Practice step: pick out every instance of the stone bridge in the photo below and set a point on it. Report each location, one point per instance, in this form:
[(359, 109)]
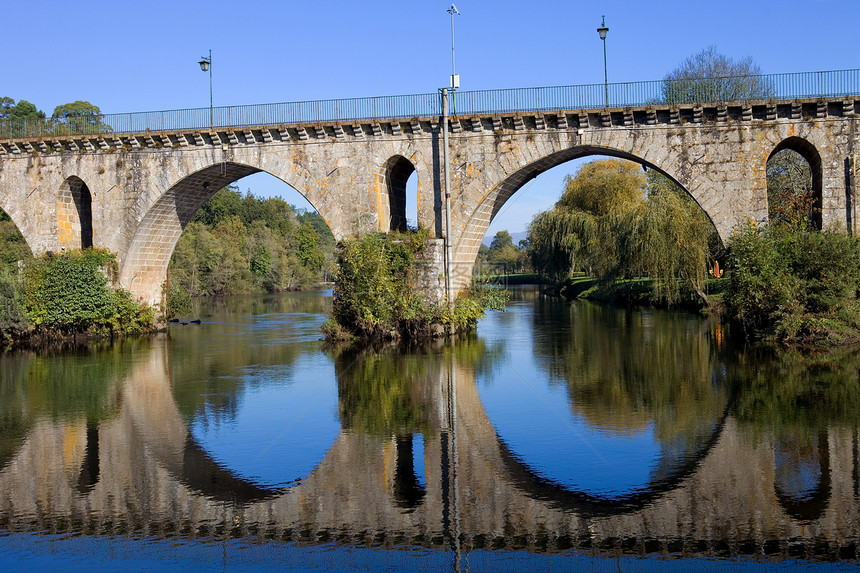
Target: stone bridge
[(133, 190), (141, 471)]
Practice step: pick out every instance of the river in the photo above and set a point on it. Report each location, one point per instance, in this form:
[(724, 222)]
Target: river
[(561, 436)]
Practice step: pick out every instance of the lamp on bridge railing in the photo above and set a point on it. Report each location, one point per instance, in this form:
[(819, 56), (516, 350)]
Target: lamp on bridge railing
[(602, 31), (206, 66)]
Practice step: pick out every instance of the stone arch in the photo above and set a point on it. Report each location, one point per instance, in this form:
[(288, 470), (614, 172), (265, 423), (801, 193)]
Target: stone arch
[(467, 244), (808, 151), (143, 269), (74, 215), (392, 203)]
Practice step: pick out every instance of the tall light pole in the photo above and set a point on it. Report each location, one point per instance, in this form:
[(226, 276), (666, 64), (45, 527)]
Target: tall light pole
[(206, 66), (602, 31), (455, 79)]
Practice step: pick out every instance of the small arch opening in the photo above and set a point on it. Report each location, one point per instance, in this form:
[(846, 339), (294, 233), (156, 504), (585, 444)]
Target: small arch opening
[(794, 189), (400, 176), (75, 214)]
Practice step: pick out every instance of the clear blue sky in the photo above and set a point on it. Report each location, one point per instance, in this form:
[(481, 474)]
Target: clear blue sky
[(137, 56)]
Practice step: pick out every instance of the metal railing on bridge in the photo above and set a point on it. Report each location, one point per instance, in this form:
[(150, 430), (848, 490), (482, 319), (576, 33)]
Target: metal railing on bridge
[(734, 89)]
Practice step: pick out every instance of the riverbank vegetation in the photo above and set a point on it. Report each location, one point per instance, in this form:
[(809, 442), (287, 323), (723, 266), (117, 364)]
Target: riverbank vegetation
[(377, 295), (241, 244), (68, 295)]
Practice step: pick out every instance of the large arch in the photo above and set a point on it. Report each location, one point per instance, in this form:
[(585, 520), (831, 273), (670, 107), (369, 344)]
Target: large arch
[(808, 151), (74, 215), (468, 243), (143, 269)]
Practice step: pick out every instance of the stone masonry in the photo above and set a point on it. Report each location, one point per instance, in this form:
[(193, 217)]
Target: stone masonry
[(134, 194)]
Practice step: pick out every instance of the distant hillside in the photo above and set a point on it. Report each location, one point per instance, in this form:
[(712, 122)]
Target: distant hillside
[(517, 237)]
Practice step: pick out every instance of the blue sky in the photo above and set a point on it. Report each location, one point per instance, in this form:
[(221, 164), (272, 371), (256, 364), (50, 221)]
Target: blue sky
[(138, 56)]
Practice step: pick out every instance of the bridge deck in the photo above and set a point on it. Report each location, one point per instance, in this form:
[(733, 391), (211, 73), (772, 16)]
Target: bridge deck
[(595, 118)]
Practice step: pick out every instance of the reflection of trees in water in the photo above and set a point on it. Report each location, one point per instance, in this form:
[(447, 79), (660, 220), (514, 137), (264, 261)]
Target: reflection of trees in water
[(794, 399), (66, 386), (397, 390), (388, 392), (210, 374), (301, 302), (802, 391), (628, 369)]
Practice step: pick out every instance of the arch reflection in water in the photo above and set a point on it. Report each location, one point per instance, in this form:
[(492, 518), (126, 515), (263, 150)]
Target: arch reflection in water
[(155, 478), (646, 400), (261, 400)]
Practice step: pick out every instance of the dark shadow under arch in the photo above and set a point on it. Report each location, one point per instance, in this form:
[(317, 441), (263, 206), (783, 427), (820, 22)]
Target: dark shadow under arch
[(808, 151), (396, 173)]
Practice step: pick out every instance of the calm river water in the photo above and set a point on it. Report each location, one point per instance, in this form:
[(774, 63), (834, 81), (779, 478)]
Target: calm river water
[(563, 436)]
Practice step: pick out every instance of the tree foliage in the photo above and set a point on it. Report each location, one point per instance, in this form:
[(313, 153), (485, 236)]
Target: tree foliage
[(15, 117), (502, 256), (70, 293), (614, 222), (375, 295), (239, 244), (795, 286), (78, 117), (710, 76), (23, 110)]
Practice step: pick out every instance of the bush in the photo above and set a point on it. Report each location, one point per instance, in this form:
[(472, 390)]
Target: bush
[(70, 293), (795, 286), (375, 297), (178, 301), (13, 319)]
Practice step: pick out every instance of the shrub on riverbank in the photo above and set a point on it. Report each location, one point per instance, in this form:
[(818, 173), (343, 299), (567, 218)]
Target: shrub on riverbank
[(69, 294), (795, 287), (375, 296)]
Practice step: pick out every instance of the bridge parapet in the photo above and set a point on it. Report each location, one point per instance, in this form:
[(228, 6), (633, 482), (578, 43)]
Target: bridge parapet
[(596, 118)]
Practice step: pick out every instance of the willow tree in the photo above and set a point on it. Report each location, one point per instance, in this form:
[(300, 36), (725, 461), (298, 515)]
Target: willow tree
[(613, 222), (574, 234)]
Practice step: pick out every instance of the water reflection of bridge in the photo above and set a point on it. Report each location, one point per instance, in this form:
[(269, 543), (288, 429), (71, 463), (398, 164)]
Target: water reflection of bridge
[(142, 471)]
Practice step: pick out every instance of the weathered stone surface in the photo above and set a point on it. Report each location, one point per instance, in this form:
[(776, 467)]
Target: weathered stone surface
[(145, 188)]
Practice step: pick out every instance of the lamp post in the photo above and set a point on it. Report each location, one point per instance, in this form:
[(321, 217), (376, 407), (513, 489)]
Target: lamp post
[(455, 79), (602, 31), (206, 66)]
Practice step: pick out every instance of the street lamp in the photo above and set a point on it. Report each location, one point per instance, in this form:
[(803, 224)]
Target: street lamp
[(206, 66), (455, 79), (602, 31)]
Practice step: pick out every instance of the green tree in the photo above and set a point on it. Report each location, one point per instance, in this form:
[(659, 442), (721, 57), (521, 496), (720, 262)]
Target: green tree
[(22, 111), (795, 287), (307, 247), (78, 117), (19, 119), (710, 76), (502, 251), (578, 232)]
